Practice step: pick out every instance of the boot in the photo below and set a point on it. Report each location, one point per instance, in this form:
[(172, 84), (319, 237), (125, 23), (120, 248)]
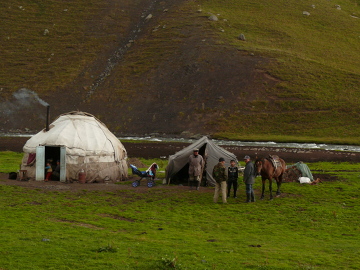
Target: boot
[(252, 196), (198, 186), (248, 195)]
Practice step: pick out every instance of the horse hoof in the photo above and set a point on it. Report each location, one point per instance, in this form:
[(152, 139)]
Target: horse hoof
[(271, 199), (261, 198)]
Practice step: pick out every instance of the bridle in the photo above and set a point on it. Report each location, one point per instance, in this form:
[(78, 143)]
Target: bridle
[(258, 162)]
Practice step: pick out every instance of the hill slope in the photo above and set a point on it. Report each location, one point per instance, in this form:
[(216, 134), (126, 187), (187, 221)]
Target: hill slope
[(163, 67)]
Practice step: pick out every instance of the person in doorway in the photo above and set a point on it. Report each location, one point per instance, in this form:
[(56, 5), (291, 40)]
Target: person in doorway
[(233, 175), (196, 166), (56, 172), (48, 171), (219, 174), (249, 179)]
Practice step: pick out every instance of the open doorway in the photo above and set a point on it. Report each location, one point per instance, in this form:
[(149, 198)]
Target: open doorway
[(52, 156), (55, 156)]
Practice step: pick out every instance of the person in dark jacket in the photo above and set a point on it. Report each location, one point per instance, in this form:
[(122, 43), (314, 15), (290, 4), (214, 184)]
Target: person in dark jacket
[(219, 174), (233, 175), (56, 172), (249, 179)]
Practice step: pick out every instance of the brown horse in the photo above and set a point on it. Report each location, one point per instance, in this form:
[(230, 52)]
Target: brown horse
[(267, 170)]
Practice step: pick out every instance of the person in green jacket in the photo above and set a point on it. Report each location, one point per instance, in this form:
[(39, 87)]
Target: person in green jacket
[(249, 179), (220, 176)]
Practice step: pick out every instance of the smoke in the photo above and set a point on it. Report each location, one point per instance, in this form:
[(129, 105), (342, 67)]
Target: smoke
[(25, 97), (23, 110)]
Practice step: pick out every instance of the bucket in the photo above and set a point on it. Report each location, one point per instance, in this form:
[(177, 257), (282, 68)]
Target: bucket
[(82, 177)]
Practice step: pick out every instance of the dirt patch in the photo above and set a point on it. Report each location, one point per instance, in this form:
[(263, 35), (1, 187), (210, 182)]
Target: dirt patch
[(136, 162), (118, 217), (57, 186), (326, 177)]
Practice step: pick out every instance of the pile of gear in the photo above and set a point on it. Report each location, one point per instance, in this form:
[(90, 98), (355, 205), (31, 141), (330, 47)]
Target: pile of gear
[(299, 172)]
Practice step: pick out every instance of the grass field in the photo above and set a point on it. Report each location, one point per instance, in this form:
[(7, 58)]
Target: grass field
[(10, 161), (309, 227)]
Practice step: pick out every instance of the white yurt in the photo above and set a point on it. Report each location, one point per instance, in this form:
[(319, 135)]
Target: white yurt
[(81, 145)]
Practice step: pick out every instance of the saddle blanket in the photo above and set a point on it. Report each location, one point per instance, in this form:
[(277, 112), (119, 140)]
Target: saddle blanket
[(275, 160)]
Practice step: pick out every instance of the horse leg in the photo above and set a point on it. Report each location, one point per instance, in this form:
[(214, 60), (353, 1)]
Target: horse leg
[(278, 182), (263, 189), (270, 189)]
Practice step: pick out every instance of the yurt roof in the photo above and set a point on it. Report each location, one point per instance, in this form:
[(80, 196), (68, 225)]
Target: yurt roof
[(81, 133)]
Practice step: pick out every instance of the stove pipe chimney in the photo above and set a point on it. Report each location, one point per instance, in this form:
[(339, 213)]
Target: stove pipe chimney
[(47, 117)]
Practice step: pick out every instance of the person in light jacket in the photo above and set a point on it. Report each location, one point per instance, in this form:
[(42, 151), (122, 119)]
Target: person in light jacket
[(196, 166)]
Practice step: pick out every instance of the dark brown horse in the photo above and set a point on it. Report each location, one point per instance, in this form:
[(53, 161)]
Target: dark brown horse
[(266, 168)]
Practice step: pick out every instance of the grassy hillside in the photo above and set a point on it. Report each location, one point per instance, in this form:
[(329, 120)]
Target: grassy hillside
[(44, 44), (317, 60), (296, 77)]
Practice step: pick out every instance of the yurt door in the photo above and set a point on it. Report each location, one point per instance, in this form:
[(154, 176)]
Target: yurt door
[(62, 164), (40, 163)]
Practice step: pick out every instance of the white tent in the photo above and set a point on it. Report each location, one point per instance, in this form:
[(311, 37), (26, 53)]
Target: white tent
[(178, 163), (82, 144)]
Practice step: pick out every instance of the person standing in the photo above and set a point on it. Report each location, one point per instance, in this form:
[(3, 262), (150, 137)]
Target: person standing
[(249, 179), (233, 175), (48, 171), (56, 172), (219, 174), (196, 166)]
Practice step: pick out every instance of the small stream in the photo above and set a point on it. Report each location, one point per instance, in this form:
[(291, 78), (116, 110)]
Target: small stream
[(333, 147), (320, 146)]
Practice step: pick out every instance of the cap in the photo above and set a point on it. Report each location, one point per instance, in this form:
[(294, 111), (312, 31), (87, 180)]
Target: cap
[(246, 157), (196, 150), (221, 159)]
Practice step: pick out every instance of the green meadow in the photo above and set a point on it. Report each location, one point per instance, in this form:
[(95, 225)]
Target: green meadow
[(171, 227)]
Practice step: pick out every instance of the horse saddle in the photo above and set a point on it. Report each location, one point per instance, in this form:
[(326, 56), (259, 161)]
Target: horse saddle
[(275, 160)]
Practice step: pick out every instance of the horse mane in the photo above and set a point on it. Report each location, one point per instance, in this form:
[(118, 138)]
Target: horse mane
[(261, 159)]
